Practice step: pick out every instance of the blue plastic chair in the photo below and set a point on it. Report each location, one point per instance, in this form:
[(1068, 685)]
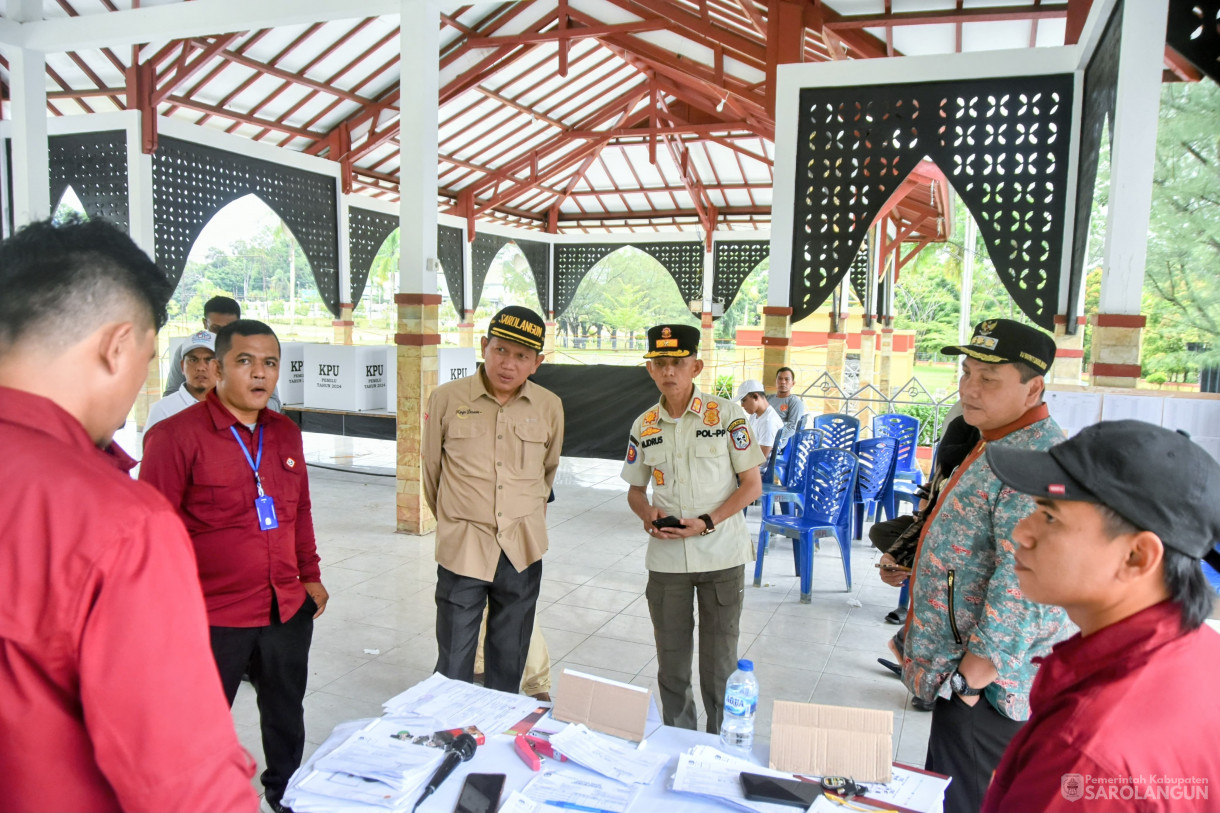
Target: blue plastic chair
[(874, 480), (839, 431), (788, 483), (830, 481), (906, 429)]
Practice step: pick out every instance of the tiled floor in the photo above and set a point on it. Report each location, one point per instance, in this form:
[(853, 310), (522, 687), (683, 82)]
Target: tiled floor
[(376, 637)]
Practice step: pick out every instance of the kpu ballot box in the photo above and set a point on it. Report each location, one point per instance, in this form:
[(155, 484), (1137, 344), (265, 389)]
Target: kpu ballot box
[(346, 378), (292, 373)]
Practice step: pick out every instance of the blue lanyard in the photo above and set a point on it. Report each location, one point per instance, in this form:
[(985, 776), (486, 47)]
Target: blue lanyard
[(254, 462)]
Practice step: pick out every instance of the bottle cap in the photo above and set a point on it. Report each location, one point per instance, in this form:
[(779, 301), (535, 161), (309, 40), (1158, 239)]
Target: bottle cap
[(745, 665)]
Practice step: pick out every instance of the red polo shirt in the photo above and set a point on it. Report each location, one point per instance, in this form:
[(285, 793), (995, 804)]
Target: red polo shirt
[(194, 460), (1125, 719), (109, 697)]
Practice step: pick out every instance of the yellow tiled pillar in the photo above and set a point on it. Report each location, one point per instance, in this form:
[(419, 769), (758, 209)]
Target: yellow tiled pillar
[(1115, 358), (707, 352), (885, 368), (777, 340), (836, 359), (548, 344), (1068, 368), (151, 393), (417, 339), (466, 334), (868, 356), (344, 324)]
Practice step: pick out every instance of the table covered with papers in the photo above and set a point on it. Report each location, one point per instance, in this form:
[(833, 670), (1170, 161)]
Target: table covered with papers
[(381, 765)]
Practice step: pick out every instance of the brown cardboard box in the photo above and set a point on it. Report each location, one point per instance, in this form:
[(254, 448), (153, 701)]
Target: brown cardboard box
[(604, 705), (807, 738)]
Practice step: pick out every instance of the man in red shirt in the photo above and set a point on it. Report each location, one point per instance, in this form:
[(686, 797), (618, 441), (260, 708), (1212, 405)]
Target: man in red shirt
[(1124, 715), (236, 472), (108, 696)]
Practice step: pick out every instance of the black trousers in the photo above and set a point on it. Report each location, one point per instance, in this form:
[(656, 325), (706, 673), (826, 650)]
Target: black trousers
[(966, 743), (510, 599), (277, 659)]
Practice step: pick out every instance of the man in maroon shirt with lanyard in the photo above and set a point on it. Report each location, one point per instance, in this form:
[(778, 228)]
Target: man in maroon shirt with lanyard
[(236, 472), (108, 694), (1124, 713)]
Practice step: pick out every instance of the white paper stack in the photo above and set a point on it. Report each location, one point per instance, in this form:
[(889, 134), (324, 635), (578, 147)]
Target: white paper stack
[(704, 771), (439, 703)]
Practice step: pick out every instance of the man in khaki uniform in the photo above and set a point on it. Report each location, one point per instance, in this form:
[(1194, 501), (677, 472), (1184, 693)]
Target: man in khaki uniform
[(490, 451), (697, 452)]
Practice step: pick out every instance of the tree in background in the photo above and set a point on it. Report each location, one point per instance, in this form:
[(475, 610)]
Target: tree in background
[(627, 291), (746, 308)]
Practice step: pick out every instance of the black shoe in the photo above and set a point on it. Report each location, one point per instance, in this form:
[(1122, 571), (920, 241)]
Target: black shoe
[(893, 667), (897, 616), (922, 705), (276, 806)]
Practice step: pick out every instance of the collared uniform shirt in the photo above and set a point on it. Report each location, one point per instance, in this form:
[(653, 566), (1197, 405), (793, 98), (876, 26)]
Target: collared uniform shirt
[(488, 470), (1133, 701), (965, 594), (193, 459), (109, 696), (171, 404), (692, 462), (790, 410)]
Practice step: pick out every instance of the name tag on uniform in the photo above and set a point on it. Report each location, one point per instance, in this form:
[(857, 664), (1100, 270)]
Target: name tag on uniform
[(265, 508)]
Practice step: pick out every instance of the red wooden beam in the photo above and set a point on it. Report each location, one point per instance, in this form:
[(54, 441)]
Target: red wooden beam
[(702, 31), (785, 41), (566, 34), (1180, 66), (187, 68), (971, 15), (1077, 15)]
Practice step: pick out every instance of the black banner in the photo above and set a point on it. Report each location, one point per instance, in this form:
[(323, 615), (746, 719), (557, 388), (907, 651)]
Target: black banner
[(599, 403)]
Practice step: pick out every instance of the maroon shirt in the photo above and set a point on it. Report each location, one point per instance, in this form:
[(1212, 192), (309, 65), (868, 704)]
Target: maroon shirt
[(1134, 700), (194, 460), (109, 696)]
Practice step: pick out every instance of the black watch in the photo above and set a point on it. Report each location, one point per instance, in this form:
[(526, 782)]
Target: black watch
[(959, 685), (707, 520)]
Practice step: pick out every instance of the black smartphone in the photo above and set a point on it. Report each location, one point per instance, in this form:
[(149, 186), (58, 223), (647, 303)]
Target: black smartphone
[(794, 792), (668, 522), (480, 793)]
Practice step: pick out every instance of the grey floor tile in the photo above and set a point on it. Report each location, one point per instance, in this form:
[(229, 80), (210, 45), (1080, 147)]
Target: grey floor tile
[(805, 630), (572, 618), (628, 628), (785, 652), (597, 598), (836, 690), (611, 653), (869, 637), (560, 642)]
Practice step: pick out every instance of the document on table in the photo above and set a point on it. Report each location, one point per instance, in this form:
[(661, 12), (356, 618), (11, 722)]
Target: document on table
[(442, 703), (516, 803), (382, 750), (571, 791), (608, 756), (911, 789), (707, 772)]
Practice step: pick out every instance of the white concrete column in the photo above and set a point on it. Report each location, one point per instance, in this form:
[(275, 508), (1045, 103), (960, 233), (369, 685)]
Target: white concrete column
[(965, 326), (1131, 159), (28, 103), (345, 245), (140, 220), (420, 91)]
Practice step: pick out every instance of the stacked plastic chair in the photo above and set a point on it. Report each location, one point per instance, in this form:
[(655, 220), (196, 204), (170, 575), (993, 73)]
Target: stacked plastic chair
[(874, 480), (830, 480), (906, 429), (839, 431)]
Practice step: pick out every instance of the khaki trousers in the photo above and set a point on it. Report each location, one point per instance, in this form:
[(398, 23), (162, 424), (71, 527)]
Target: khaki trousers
[(536, 678)]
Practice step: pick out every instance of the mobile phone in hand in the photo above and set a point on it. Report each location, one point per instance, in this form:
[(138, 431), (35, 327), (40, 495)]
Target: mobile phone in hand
[(668, 522), (895, 568)]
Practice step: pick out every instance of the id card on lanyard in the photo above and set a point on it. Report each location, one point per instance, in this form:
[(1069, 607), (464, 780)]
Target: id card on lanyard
[(264, 506)]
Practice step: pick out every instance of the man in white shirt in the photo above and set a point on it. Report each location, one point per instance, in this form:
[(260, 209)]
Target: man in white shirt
[(200, 374), (764, 422)]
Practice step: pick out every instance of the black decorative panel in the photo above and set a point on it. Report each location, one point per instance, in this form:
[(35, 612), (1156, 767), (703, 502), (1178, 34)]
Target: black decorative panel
[(366, 232), (482, 252), (1194, 32), (857, 274), (95, 166), (683, 261), (1100, 97), (449, 252), (191, 183), (732, 262), (1003, 144), (538, 255), (572, 262)]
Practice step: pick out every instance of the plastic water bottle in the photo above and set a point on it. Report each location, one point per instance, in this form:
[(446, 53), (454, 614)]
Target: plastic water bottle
[(740, 703)]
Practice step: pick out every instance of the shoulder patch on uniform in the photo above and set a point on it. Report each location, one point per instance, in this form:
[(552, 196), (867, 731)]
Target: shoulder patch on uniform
[(740, 434), (651, 415), (632, 451), (648, 431), (696, 406)]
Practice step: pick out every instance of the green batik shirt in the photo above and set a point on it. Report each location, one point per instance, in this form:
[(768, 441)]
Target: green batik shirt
[(964, 590)]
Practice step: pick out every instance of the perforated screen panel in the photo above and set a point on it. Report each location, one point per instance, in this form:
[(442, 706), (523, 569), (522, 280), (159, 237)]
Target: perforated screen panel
[(683, 261), (449, 252), (366, 232), (95, 166), (1002, 143), (732, 262), (572, 263), (192, 182), (538, 255), (1193, 32), (483, 252)]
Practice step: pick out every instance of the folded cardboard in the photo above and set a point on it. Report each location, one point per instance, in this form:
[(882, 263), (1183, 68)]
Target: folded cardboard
[(614, 708), (807, 738)]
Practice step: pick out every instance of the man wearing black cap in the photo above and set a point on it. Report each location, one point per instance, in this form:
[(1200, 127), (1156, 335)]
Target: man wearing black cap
[(698, 453), (490, 451), (1124, 713), (971, 634)]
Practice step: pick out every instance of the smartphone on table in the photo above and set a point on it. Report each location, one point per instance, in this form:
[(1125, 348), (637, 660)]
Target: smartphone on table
[(760, 788), (480, 793)]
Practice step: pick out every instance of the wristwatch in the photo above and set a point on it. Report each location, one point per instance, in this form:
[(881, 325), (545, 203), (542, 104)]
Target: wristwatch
[(959, 685), (707, 520)]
